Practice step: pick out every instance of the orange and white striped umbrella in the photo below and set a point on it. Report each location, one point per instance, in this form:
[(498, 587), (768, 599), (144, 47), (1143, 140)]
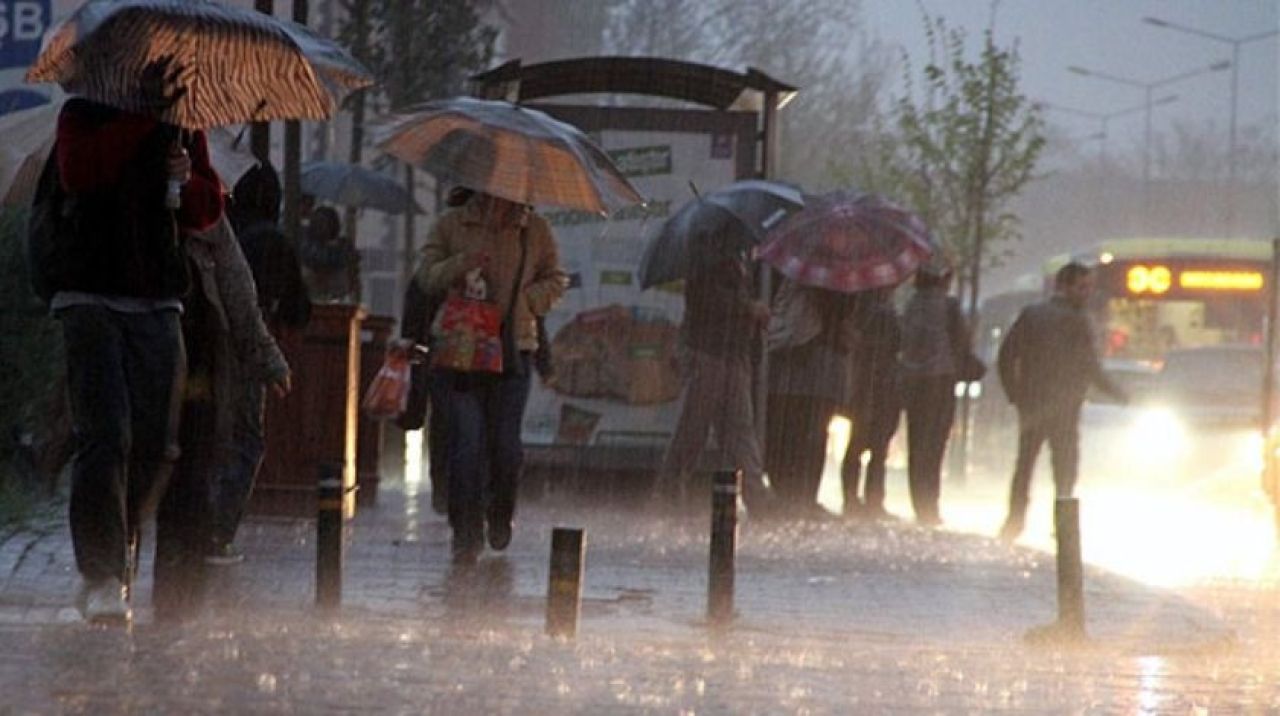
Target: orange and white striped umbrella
[(509, 151), (235, 64)]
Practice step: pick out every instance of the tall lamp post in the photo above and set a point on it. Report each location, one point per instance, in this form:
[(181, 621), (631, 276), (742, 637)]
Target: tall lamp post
[(1149, 89), (1104, 118), (1235, 43)]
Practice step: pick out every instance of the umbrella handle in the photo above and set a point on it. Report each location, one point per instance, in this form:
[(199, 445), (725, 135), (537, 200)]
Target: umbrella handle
[(173, 188)]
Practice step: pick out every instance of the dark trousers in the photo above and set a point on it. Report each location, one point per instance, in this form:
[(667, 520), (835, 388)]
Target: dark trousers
[(124, 374), (930, 402), (796, 447), (184, 519), (233, 482), (873, 427), (485, 452), (1060, 427), (438, 383)]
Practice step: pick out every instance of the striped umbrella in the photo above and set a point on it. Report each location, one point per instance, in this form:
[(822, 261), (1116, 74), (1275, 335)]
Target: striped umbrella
[(235, 64), (513, 152), (849, 241)]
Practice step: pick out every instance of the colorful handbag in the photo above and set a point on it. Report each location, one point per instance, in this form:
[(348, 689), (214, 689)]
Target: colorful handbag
[(467, 336)]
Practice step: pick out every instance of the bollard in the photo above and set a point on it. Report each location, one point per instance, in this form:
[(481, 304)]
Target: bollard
[(726, 485), (564, 582), (329, 537), (1066, 525)]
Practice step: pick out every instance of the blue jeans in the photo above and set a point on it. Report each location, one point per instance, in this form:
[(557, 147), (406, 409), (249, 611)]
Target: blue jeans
[(485, 452), (233, 482), (124, 374)]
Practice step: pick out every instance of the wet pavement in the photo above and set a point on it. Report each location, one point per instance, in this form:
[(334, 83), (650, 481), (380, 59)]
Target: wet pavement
[(833, 617)]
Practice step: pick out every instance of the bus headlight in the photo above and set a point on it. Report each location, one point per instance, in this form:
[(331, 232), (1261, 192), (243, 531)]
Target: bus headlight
[(1158, 433)]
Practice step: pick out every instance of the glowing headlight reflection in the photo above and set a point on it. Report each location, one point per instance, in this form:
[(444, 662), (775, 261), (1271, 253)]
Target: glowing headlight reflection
[(1157, 433)]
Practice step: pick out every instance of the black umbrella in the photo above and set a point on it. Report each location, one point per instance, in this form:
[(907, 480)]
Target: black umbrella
[(356, 186), (745, 209)]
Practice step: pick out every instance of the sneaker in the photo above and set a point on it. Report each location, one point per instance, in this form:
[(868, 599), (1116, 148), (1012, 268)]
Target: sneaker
[(104, 602), (499, 534), (224, 555)]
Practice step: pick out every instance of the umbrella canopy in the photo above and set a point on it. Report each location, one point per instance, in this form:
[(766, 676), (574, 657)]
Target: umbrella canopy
[(744, 209), (354, 185), (28, 138), (849, 241), (513, 152), (235, 64)]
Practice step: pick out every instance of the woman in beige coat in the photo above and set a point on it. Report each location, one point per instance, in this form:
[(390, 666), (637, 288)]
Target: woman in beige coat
[(516, 256)]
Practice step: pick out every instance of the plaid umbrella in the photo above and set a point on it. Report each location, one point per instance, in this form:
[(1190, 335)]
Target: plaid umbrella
[(513, 152), (357, 186), (849, 241), (234, 64), (743, 211)]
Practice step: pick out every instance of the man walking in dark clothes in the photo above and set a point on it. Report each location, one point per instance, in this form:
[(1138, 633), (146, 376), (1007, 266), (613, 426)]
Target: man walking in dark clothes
[(1047, 362)]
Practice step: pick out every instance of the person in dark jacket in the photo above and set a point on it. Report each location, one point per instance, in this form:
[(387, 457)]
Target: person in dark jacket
[(284, 305), (934, 340), (875, 403), (117, 292), (722, 330), (1047, 362)]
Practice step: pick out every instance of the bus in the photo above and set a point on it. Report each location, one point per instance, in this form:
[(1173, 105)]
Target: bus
[(1181, 324), (1155, 295)]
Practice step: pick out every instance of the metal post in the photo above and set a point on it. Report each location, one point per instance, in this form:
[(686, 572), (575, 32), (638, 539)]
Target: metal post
[(564, 582), (726, 486), (1066, 523), (293, 156), (329, 536), (1269, 382)]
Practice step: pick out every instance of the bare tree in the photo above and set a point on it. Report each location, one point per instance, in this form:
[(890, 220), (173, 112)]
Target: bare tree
[(820, 46)]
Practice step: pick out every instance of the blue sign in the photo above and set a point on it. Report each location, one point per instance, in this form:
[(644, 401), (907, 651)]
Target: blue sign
[(22, 24), (17, 99)]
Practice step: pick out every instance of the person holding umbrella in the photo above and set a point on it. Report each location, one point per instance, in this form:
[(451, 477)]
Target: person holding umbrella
[(512, 251), (722, 332), (117, 289), (134, 179)]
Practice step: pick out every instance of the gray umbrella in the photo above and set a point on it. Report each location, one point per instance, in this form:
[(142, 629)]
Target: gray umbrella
[(357, 186), (746, 209)]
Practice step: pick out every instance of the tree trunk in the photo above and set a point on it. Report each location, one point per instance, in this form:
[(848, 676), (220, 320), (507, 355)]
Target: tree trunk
[(360, 50)]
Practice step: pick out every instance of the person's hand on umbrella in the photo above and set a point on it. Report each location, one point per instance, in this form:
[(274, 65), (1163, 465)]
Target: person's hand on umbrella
[(178, 164), (158, 84)]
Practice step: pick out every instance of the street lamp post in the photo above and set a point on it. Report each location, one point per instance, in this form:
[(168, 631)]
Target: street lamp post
[(1232, 151), (1104, 118), (1148, 89)]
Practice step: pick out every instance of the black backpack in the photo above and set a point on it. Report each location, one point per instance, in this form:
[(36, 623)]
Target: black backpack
[(51, 219)]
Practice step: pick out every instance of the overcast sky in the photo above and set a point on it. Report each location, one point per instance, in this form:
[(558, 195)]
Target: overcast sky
[(1109, 36)]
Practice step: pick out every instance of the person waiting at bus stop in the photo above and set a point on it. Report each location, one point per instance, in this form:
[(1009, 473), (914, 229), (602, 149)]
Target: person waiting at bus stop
[(511, 250), (722, 333), (1047, 362)]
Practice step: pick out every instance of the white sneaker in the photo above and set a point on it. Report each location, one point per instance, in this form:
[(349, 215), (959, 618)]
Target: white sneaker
[(104, 603)]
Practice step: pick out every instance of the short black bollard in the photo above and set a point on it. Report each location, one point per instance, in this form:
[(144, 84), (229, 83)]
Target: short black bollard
[(329, 537), (726, 485), (1066, 525), (564, 583)]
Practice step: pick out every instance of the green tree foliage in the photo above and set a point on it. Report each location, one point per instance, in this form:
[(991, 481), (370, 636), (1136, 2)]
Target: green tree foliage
[(419, 49), (961, 151)]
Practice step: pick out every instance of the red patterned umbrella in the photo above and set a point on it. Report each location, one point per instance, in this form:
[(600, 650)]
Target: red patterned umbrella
[(849, 241)]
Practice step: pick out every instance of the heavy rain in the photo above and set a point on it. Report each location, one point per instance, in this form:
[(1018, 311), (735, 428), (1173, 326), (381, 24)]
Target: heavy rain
[(639, 356)]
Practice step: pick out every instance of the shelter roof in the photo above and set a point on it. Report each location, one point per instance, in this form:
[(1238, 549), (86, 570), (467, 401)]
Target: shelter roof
[(689, 81)]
